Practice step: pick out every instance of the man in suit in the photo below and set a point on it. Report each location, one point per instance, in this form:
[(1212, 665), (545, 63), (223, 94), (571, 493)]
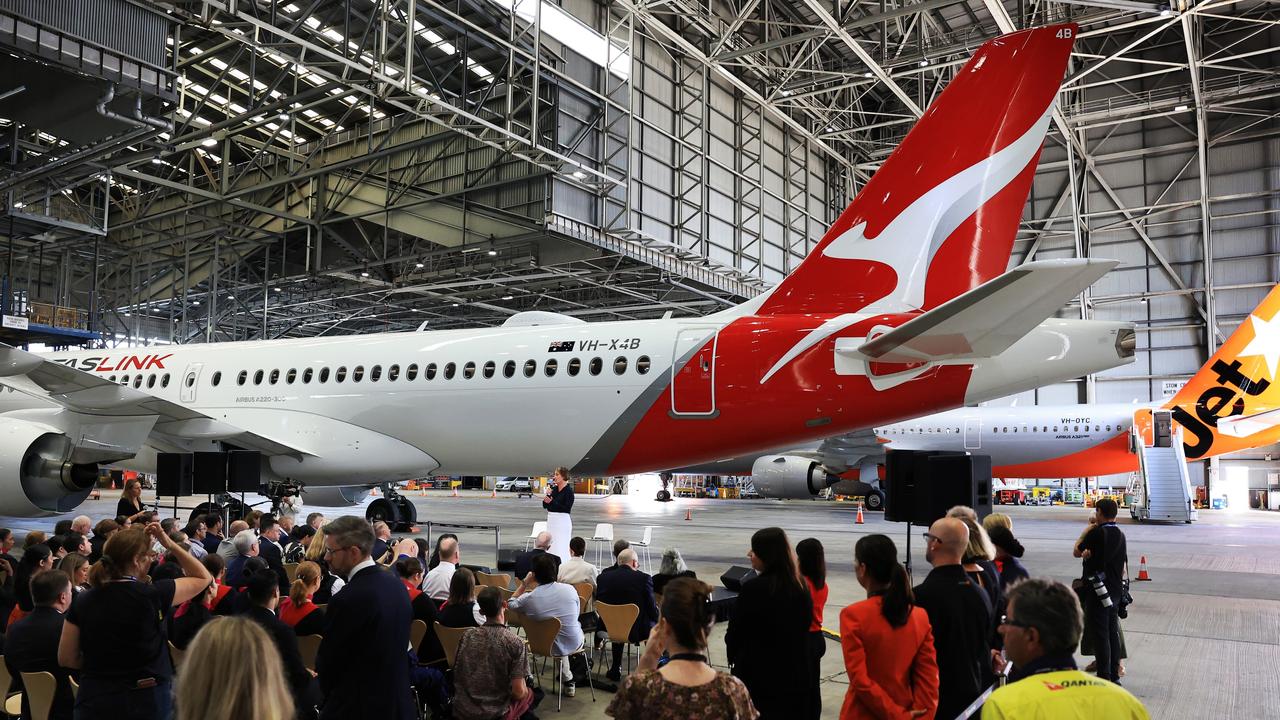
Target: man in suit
[(541, 546), (264, 596), (381, 541), (213, 532), (246, 546), (363, 660), (227, 546), (272, 551), (32, 642), (625, 585), (960, 614)]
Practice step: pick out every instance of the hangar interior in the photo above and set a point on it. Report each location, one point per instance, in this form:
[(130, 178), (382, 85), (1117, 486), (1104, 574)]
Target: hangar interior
[(195, 171)]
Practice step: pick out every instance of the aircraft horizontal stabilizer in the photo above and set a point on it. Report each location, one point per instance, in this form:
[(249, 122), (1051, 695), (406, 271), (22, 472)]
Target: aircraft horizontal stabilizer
[(1245, 425), (988, 319)]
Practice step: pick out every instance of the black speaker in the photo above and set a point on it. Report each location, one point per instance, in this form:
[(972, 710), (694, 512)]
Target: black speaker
[(244, 471), (922, 485), (735, 576), (173, 474), (210, 474)]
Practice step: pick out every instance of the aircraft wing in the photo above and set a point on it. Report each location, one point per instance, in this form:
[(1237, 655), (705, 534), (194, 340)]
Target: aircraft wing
[(89, 395), (840, 453), (1242, 426), (987, 320)]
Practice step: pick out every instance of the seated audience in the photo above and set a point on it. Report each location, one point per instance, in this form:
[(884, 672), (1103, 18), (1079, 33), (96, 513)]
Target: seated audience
[(35, 537), (577, 569), (625, 584), (227, 548), (82, 524), (232, 671), (1041, 630), (687, 686), (191, 616), (247, 546), (767, 640), (223, 594), (57, 544), (459, 610), (315, 520), (113, 632), (76, 566), (436, 585), (298, 611), (539, 596), (31, 644), (270, 549), (101, 532), (435, 554), (381, 541), (671, 567), (35, 560), (1008, 552), (196, 531), (330, 583), (424, 608), (363, 659), (541, 546), (213, 532), (491, 666), (812, 559), (74, 542), (299, 540), (887, 641), (264, 596)]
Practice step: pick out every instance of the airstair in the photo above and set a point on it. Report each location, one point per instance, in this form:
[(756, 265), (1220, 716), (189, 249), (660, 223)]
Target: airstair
[(1163, 491)]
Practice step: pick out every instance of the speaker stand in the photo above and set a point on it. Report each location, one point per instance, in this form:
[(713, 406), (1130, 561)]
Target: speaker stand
[(908, 563)]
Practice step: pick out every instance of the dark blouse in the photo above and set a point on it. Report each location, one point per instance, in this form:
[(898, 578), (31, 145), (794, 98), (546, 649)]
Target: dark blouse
[(560, 500)]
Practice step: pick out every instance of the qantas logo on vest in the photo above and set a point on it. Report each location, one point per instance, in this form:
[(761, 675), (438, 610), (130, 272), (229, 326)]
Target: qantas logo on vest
[(110, 364)]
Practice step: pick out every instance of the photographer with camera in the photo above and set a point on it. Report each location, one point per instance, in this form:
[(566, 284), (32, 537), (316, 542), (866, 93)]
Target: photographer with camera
[(1101, 590)]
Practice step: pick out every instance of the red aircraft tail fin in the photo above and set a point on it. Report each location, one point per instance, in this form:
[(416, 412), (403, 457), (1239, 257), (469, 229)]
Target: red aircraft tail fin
[(940, 215)]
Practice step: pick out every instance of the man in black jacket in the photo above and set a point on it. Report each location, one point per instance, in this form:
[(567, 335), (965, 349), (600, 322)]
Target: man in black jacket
[(212, 532), (263, 599), (960, 614), (1105, 552), (269, 549), (32, 642), (524, 561), (624, 586), (363, 659)]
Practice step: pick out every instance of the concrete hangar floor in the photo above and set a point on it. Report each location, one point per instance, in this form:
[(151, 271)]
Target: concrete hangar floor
[(1203, 637)]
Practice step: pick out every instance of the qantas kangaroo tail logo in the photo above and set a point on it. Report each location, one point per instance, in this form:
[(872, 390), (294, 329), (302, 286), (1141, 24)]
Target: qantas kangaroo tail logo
[(940, 215), (1233, 402)]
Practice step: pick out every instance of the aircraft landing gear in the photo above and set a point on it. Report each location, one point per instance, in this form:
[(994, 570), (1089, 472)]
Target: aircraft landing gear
[(394, 509), (875, 500), (223, 504)]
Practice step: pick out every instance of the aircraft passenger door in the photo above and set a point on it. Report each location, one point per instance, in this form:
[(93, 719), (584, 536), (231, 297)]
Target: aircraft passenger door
[(190, 379), (972, 434), (693, 384), (1163, 421)]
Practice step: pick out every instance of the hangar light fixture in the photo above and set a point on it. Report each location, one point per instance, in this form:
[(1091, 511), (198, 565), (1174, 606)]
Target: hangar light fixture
[(508, 297), (209, 142), (572, 32)]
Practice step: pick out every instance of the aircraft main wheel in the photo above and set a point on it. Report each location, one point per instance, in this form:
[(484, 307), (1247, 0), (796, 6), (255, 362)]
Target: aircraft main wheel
[(383, 510), (875, 500), (408, 513)]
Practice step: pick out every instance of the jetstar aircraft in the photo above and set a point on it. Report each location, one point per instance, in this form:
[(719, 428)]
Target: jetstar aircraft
[(1231, 404), (902, 309)]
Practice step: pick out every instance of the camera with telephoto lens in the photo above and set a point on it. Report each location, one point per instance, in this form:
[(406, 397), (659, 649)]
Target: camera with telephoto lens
[(1100, 589)]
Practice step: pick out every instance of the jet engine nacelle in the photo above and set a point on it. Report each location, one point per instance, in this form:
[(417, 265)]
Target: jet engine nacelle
[(786, 476), (335, 496), (37, 476)]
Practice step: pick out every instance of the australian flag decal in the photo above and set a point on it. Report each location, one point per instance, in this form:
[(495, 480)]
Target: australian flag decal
[(562, 346)]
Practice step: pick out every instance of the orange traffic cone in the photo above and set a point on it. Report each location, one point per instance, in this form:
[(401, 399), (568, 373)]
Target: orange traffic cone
[(688, 514), (1142, 570), (494, 492), (859, 521)]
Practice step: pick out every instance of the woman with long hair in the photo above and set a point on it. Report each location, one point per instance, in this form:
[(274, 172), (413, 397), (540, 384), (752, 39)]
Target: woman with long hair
[(114, 636), (812, 559), (768, 636), (233, 670), (687, 684), (297, 610), (130, 505), (76, 566), (329, 582), (459, 610), (887, 641), (35, 560)]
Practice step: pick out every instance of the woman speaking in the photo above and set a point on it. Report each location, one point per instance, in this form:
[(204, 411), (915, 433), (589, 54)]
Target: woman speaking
[(559, 501)]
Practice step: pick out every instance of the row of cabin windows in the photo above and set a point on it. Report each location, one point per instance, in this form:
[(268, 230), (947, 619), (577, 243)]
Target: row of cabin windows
[(1004, 429), (137, 381), (430, 371)]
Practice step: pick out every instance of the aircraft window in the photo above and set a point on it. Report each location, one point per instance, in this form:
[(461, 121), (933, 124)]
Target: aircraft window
[(469, 370), (290, 375), (411, 372), (324, 374), (307, 374), (619, 365), (257, 377), (530, 367), (1096, 428), (509, 368), (112, 378), (449, 370), (357, 373), (429, 372), (596, 366), (124, 379), (217, 378), (393, 373), (375, 373), (164, 379), (574, 367), (1108, 428), (274, 377), (137, 381), (242, 377), (151, 381), (549, 368), (642, 364), (340, 375), (489, 367)]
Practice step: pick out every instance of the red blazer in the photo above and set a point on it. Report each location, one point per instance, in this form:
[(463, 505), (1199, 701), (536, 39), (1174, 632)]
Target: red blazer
[(892, 671)]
